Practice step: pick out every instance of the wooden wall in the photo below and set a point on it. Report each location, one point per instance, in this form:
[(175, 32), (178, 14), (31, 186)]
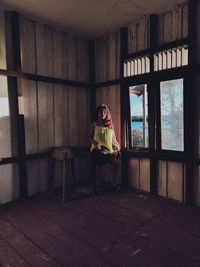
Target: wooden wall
[(58, 114), (173, 25), (139, 174), (107, 57), (54, 114), (138, 38)]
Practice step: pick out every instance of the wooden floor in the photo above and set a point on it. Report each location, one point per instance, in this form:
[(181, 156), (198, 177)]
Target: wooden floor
[(116, 229)]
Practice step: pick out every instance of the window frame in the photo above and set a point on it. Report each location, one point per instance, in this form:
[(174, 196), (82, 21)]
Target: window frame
[(153, 79)]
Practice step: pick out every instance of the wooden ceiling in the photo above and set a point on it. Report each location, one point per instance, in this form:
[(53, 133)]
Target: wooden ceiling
[(89, 18)]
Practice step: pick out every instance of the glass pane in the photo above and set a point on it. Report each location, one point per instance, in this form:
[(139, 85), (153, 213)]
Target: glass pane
[(5, 120), (139, 115), (171, 93)]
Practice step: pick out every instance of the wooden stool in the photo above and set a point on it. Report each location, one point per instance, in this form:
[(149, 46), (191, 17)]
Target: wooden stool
[(66, 154)]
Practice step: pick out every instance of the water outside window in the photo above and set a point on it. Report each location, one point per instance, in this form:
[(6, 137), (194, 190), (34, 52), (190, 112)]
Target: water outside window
[(139, 115), (172, 134)]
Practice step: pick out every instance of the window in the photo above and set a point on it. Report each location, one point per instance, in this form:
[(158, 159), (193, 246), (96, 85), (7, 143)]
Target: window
[(171, 58), (139, 115), (136, 66), (171, 99)]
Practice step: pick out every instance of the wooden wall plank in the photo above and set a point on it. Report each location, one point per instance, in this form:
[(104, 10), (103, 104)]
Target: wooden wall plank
[(72, 58), (162, 178), (100, 59), (28, 45), (44, 50), (134, 173), (66, 113), (57, 54), (33, 176), (112, 57), (3, 64), (142, 34), (145, 175), (30, 115), (173, 25), (64, 39), (9, 180), (59, 107), (118, 63), (5, 121), (82, 66), (45, 116), (185, 21), (74, 128), (175, 177)]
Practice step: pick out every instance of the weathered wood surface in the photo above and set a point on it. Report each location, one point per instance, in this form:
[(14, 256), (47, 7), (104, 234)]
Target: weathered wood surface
[(107, 57), (173, 25), (128, 229), (138, 36), (9, 180)]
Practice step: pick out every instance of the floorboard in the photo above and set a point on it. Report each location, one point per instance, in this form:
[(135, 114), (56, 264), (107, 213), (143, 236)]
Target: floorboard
[(113, 230)]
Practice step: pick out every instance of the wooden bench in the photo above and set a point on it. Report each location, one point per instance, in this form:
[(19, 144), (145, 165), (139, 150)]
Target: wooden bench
[(66, 154)]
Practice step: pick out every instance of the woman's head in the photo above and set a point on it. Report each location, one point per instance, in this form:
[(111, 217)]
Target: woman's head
[(103, 114)]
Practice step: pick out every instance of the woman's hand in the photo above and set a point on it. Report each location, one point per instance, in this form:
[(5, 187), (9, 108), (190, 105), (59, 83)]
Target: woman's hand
[(97, 145)]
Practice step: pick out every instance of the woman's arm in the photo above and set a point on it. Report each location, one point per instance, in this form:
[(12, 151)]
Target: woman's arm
[(95, 143), (115, 144)]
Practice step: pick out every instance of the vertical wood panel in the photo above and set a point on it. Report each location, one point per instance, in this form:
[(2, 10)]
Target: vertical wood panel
[(173, 25), (33, 176), (28, 45), (82, 66), (66, 113), (185, 21), (72, 58), (9, 180), (44, 50), (57, 54), (145, 175), (64, 39), (100, 58), (45, 116), (133, 173), (59, 109), (73, 116), (162, 176), (175, 176), (30, 115), (142, 34)]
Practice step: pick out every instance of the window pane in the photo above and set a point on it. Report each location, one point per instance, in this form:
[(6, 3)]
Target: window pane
[(171, 93), (139, 115)]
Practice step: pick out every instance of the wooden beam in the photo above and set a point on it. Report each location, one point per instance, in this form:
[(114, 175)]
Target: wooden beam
[(17, 121), (152, 105), (189, 115)]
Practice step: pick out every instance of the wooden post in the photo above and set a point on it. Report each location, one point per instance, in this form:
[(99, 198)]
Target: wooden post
[(189, 100), (151, 107), (14, 63)]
